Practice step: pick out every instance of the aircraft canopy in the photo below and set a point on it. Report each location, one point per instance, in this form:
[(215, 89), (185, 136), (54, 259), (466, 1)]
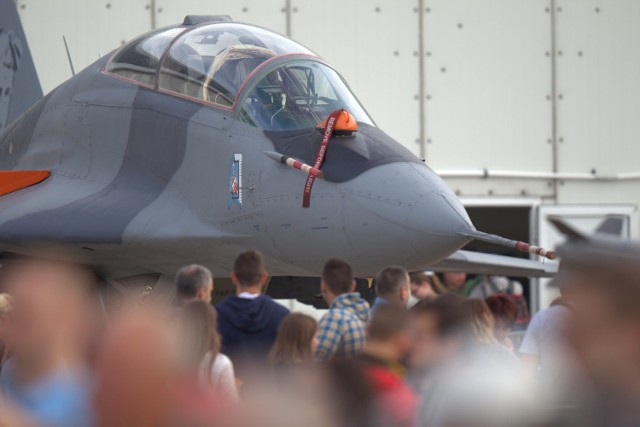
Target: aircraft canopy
[(213, 62)]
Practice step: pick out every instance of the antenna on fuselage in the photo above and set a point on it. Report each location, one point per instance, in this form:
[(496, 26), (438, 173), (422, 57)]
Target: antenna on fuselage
[(66, 46)]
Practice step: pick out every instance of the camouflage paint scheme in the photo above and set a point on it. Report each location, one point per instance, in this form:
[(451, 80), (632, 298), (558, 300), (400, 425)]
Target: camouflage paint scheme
[(141, 184)]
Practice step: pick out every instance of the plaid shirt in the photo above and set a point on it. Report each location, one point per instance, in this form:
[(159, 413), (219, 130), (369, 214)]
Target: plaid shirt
[(342, 330)]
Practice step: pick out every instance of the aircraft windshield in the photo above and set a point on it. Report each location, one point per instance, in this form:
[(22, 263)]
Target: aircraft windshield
[(298, 95), (139, 59), (211, 62)]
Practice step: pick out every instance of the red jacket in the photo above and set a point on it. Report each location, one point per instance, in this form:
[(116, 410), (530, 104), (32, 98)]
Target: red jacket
[(396, 400)]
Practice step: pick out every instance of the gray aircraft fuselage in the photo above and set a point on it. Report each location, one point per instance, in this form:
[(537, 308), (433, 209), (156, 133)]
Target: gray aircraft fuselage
[(142, 180)]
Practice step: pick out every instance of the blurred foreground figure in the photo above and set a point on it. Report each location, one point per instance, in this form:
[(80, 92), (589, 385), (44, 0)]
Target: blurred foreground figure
[(136, 371), (438, 335), (48, 334), (389, 341), (6, 304), (602, 274), (464, 377), (148, 376)]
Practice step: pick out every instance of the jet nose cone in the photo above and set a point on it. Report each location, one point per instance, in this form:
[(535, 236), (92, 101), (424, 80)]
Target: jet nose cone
[(407, 209)]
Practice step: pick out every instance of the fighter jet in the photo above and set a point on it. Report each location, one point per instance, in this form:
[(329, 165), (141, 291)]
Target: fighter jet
[(197, 140)]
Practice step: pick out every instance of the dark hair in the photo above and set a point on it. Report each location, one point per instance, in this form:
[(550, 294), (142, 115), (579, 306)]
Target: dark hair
[(388, 321), (433, 280), (249, 267), (338, 276), (199, 323), (293, 343), (449, 310), (351, 394), (190, 279), (390, 279), (503, 308)]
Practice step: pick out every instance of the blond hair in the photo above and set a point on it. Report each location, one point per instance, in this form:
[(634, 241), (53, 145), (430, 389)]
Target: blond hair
[(481, 321), (6, 304), (293, 343)]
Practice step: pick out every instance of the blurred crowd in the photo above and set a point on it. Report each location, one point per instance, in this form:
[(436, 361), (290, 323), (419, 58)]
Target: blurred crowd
[(433, 350)]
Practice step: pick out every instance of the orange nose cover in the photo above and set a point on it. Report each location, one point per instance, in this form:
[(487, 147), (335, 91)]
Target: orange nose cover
[(11, 181), (345, 123)]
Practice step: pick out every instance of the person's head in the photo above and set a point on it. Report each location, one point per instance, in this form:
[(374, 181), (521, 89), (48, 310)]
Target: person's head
[(392, 284), (505, 313), (453, 281), (351, 398), (388, 333), (249, 273), (6, 303), (51, 315), (480, 321), (438, 328), (136, 371), (297, 340), (425, 285), (337, 279), (604, 322), (194, 282)]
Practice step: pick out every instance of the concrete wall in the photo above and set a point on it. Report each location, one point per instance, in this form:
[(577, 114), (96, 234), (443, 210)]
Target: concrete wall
[(531, 90)]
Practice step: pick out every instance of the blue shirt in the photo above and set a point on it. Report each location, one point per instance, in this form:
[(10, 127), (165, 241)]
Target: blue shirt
[(377, 303), (61, 399)]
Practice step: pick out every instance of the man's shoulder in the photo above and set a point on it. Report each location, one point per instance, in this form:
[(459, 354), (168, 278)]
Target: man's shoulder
[(225, 304), (226, 301), (344, 317), (334, 313), (277, 308)]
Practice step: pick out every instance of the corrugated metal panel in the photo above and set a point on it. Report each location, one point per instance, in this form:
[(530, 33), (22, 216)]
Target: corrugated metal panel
[(90, 27), (488, 82), (599, 82), (374, 45), (266, 13)]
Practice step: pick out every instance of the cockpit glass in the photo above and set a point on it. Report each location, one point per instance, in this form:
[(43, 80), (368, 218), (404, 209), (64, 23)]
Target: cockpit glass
[(139, 59), (210, 63), (298, 95)]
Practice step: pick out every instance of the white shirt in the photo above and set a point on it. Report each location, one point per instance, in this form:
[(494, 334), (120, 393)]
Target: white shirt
[(545, 338), (544, 331), (220, 374), (248, 295)]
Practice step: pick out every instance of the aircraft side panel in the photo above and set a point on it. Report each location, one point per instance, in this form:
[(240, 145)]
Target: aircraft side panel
[(96, 211)]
